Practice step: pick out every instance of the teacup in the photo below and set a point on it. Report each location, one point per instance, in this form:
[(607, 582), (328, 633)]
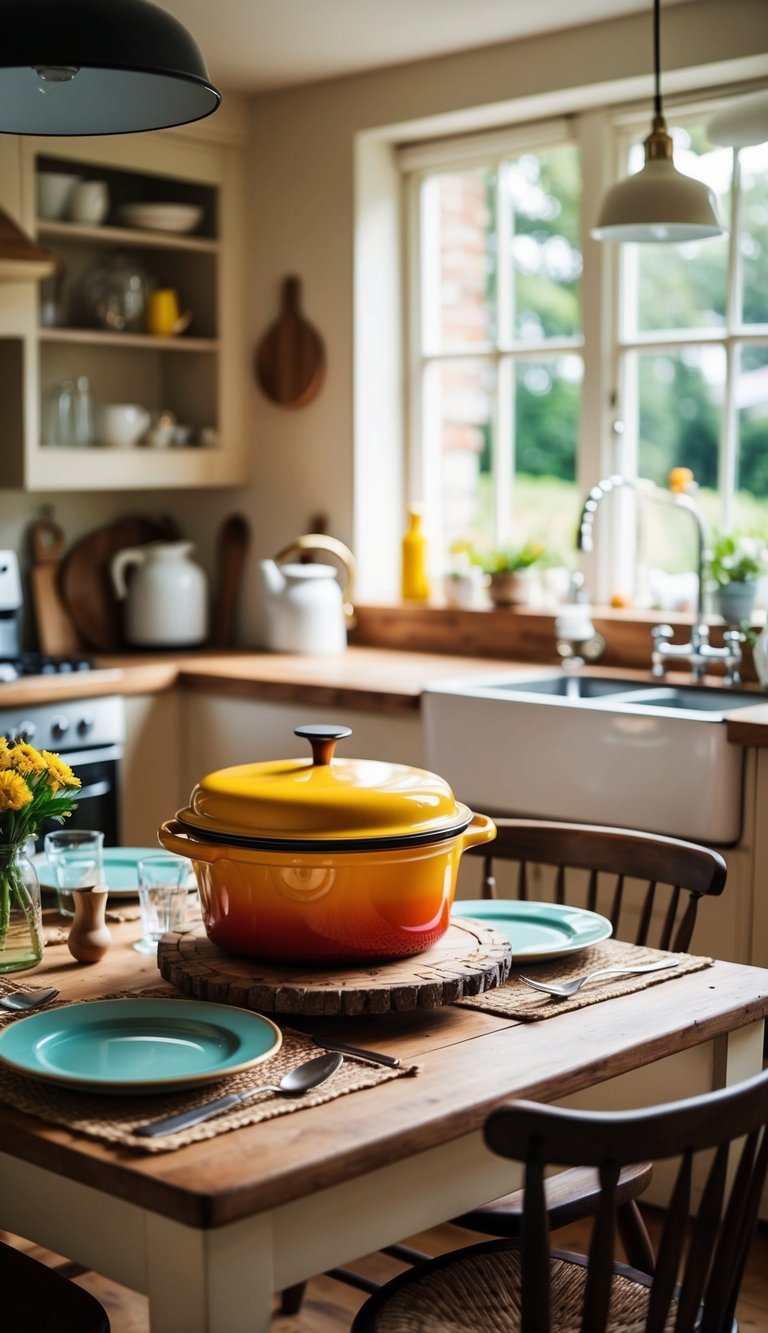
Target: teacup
[(88, 202), (121, 425), (53, 193)]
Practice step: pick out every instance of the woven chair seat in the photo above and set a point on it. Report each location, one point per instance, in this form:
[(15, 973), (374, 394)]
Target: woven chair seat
[(479, 1292)]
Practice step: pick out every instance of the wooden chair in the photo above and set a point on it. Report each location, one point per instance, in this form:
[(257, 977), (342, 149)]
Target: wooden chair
[(649, 886), (37, 1299), (527, 1287)]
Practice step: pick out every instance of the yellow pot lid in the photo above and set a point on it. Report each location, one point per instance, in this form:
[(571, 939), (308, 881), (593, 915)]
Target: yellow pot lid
[(324, 799)]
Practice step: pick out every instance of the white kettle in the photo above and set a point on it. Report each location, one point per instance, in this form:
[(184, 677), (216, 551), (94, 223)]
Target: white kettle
[(305, 605), (166, 598)]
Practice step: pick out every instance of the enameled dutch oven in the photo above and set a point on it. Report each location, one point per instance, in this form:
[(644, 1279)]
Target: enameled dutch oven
[(325, 860)]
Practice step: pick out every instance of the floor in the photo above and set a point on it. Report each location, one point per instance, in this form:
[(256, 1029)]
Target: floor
[(328, 1306)]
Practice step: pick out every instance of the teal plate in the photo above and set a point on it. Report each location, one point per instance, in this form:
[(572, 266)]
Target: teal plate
[(538, 930), (138, 1046), (121, 873)]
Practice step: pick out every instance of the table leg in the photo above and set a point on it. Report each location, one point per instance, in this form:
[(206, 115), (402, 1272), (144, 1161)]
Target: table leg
[(218, 1281)]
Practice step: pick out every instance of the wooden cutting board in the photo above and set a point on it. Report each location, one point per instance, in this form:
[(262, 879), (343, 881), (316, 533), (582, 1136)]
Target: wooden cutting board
[(86, 582), (290, 359), (56, 633), (231, 549)]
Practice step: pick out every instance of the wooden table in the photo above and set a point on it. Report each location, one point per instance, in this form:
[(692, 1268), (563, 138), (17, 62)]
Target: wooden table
[(210, 1231)]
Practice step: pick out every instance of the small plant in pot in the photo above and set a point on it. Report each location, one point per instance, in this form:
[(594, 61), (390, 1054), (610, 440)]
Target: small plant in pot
[(734, 564), (508, 570)]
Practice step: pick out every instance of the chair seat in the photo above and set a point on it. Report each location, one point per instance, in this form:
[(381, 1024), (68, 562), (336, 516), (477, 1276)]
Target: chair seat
[(478, 1288), (37, 1299)]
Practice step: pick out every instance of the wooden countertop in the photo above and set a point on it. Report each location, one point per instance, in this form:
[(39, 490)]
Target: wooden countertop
[(381, 680)]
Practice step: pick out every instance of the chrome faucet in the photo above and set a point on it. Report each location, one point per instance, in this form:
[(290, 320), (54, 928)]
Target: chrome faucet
[(698, 651)]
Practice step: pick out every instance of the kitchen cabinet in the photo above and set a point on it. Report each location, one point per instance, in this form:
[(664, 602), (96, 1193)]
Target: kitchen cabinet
[(49, 334)]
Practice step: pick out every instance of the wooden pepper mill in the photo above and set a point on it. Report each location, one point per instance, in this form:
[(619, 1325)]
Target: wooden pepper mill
[(89, 936)]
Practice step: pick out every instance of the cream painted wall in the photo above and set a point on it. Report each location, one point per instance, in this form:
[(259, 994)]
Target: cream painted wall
[(301, 219)]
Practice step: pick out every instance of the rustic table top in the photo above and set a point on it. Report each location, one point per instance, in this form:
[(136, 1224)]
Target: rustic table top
[(469, 1063)]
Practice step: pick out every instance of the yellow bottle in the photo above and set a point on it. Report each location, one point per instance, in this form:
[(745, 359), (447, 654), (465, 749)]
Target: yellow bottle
[(415, 586)]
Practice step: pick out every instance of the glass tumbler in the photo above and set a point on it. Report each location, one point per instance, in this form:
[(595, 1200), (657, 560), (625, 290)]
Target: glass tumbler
[(163, 897), (76, 857)]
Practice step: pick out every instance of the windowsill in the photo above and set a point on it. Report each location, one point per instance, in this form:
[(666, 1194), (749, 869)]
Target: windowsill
[(519, 634)]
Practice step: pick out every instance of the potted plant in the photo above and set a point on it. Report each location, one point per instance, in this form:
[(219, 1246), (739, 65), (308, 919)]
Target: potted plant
[(734, 564), (508, 572)]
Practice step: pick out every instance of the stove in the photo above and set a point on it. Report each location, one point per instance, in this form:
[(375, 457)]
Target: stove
[(41, 664)]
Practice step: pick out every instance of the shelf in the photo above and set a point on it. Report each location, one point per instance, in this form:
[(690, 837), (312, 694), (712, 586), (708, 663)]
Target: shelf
[(130, 236), (99, 468), (145, 341)]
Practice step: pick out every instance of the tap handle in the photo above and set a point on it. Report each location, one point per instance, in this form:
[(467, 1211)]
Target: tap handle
[(662, 634), (734, 638)]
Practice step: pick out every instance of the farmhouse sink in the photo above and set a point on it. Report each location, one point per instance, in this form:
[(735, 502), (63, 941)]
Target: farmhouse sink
[(591, 750)]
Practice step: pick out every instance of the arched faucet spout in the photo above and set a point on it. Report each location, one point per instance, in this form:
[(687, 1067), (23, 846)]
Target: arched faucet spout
[(698, 651)]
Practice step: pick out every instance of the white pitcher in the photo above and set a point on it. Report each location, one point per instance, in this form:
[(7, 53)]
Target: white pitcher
[(166, 597)]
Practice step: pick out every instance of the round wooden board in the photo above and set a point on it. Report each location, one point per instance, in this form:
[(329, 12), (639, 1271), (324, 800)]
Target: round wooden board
[(469, 959)]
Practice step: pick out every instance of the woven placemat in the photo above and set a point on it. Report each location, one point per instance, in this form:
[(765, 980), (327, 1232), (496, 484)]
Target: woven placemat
[(517, 1000), (114, 1119)]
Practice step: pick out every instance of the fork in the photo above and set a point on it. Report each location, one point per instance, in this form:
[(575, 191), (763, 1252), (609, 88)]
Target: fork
[(561, 990)]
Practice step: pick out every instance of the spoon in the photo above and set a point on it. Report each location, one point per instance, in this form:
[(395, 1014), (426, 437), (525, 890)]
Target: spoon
[(294, 1083), (19, 1001), (561, 990)]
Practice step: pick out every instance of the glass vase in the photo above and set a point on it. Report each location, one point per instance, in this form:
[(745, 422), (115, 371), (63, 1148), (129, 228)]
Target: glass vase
[(21, 922)]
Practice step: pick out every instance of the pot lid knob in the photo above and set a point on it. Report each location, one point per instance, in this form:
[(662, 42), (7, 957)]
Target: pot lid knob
[(322, 737)]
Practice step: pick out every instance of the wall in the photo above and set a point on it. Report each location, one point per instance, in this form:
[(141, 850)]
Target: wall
[(301, 205)]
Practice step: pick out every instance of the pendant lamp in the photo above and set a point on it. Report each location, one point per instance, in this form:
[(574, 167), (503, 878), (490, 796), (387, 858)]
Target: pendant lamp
[(742, 124), (98, 67), (658, 203)]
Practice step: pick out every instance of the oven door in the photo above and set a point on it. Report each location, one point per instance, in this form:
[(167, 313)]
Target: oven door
[(98, 799)]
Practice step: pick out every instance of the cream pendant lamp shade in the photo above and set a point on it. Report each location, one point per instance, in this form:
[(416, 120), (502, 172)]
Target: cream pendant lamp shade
[(658, 203), (76, 67), (742, 124)]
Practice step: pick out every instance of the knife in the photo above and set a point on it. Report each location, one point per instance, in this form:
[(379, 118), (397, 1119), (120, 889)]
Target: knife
[(374, 1057)]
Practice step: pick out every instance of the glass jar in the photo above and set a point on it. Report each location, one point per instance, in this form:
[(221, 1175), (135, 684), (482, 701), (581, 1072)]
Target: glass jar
[(21, 922), (116, 294)]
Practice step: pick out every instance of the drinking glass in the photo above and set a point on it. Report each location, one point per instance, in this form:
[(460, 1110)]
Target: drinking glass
[(163, 897), (76, 857)]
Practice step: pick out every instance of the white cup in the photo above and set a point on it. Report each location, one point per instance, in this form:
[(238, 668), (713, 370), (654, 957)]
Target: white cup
[(53, 191), (88, 202), (121, 425)]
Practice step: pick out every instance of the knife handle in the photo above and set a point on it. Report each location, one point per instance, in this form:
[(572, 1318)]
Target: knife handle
[(374, 1057), (171, 1123)]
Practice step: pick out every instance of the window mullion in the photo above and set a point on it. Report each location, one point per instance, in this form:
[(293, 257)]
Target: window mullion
[(502, 466), (729, 431)]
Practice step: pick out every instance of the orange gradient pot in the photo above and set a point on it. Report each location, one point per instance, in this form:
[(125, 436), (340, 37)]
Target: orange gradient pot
[(325, 860)]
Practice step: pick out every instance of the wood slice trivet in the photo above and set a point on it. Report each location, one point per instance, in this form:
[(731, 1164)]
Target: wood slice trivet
[(470, 958)]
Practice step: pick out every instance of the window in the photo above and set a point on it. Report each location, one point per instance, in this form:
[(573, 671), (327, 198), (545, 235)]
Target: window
[(500, 384)]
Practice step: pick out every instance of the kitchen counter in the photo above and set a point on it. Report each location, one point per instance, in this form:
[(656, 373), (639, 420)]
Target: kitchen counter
[(379, 679)]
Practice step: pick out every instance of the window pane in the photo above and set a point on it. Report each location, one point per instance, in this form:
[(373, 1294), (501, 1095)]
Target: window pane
[(459, 412), (751, 508), (545, 500), (680, 398), (458, 257), (684, 286), (544, 191), (754, 233)]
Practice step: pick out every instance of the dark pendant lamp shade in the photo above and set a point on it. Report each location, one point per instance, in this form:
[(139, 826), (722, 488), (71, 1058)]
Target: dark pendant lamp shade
[(76, 67)]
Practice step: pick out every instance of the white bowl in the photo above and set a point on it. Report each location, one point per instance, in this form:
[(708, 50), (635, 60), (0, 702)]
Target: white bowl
[(53, 191), (162, 217)]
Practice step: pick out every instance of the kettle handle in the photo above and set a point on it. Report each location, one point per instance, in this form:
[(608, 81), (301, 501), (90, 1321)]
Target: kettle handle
[(131, 555), (317, 541)]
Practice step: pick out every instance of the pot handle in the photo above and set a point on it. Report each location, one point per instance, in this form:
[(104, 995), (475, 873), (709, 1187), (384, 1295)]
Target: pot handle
[(172, 837), (121, 561), (482, 829)]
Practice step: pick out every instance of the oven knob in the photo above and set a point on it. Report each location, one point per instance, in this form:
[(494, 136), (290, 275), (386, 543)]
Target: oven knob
[(59, 726), (85, 723), (26, 731)]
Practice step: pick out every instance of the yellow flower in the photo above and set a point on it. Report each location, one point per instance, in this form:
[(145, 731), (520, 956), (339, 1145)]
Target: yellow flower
[(14, 792), (5, 754), (59, 773), (26, 759)]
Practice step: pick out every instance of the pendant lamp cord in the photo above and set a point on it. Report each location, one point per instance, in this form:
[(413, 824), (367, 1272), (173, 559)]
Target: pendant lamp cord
[(657, 55)]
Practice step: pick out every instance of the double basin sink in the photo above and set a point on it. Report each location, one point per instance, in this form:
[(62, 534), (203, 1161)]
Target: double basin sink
[(591, 750)]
